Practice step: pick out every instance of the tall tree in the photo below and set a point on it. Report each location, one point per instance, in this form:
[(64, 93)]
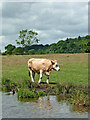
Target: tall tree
[(79, 38), (27, 38), (9, 48)]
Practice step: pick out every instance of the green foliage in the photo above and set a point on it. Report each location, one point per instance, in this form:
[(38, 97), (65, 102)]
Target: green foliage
[(77, 95), (4, 53), (18, 51), (65, 88), (34, 85), (9, 48), (26, 93), (8, 85), (32, 51), (88, 48), (27, 38), (80, 98), (41, 93), (70, 45)]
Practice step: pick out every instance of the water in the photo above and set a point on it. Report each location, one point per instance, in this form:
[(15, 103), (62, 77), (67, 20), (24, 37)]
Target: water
[(44, 107)]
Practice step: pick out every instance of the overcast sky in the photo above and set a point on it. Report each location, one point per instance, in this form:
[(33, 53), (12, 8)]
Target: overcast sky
[(53, 21)]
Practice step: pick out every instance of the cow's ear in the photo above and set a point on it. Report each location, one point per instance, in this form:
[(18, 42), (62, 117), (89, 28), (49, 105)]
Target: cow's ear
[(53, 62)]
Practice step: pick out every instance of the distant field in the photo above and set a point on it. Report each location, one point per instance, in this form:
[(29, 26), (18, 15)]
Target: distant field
[(74, 68)]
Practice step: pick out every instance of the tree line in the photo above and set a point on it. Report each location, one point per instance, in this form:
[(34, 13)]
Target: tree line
[(28, 45)]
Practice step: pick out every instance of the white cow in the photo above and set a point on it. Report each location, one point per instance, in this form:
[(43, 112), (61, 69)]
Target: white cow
[(41, 66)]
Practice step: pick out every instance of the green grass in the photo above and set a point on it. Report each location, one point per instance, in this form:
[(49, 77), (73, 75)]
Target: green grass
[(74, 68), (75, 74), (26, 93)]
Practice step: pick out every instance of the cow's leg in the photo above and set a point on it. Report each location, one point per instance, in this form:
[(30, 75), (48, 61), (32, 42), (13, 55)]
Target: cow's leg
[(41, 75), (47, 79), (31, 75)]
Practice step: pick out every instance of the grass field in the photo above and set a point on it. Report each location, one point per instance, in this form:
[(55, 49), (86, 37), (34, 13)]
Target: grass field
[(74, 68)]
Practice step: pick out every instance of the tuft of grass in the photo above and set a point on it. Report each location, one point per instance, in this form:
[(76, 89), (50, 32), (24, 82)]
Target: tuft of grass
[(76, 95), (41, 93), (8, 85), (26, 93), (80, 99)]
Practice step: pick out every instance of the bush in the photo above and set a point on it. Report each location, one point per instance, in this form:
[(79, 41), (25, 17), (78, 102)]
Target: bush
[(32, 51), (3, 53), (18, 51), (9, 48)]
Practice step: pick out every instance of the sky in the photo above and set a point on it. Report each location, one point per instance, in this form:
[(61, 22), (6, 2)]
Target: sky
[(54, 21)]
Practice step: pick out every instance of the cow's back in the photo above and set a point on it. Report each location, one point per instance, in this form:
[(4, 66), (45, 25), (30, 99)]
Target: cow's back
[(39, 64)]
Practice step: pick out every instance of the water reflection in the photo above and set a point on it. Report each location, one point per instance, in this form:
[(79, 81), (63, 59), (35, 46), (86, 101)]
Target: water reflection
[(44, 103), (62, 98), (79, 108), (43, 107), (41, 102)]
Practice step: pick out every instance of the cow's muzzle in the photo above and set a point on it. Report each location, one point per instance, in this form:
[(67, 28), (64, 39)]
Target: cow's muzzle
[(59, 69)]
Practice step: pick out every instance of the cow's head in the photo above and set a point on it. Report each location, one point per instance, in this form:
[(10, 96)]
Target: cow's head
[(55, 65)]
